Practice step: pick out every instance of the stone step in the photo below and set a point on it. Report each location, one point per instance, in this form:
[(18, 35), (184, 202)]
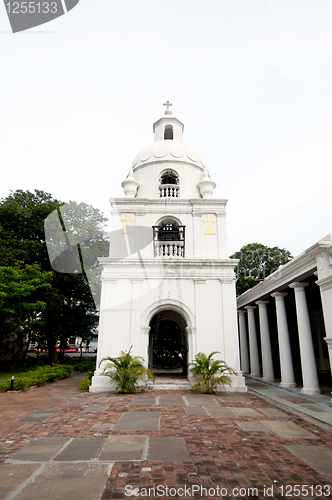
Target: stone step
[(170, 387), (164, 385)]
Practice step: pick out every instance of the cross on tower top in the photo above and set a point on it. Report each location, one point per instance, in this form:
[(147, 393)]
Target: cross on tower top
[(168, 104)]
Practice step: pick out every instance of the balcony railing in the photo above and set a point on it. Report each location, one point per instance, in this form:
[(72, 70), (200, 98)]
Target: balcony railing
[(169, 241), (171, 249), (168, 191)]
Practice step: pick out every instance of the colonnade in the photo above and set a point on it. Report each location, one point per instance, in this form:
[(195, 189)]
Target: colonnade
[(250, 361)]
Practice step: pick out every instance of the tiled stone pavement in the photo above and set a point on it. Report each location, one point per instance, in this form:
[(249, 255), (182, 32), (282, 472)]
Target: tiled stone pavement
[(59, 444)]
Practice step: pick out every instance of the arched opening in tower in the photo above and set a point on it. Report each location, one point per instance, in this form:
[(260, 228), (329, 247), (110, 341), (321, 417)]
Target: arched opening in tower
[(168, 132), (169, 239), (168, 347)]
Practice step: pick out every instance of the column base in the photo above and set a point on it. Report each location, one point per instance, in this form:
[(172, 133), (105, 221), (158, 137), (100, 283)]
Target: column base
[(310, 392), (256, 375), (238, 384), (268, 379), (101, 383), (287, 385)]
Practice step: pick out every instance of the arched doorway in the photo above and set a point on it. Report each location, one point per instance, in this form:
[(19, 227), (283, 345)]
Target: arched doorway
[(168, 346)]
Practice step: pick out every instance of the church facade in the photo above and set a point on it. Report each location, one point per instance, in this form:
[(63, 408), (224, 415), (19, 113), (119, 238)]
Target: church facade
[(168, 286)]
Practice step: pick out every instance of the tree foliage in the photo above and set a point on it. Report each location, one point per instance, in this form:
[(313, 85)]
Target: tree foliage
[(257, 261), (61, 305), (21, 306)]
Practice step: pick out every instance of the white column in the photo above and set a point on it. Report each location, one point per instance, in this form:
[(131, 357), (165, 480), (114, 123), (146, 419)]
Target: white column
[(328, 340), (201, 313), (324, 282), (243, 342), (145, 331), (325, 285), (253, 346), (308, 362), (267, 363), (285, 353)]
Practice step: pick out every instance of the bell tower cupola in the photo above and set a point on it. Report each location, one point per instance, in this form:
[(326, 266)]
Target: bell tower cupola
[(168, 128), (168, 168)]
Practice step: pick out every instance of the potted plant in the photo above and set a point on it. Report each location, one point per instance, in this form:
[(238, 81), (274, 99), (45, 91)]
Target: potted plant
[(126, 371), (210, 372)]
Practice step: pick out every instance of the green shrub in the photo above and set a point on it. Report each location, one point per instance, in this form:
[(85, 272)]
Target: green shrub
[(37, 377), (210, 373), (126, 370), (81, 364), (85, 384)]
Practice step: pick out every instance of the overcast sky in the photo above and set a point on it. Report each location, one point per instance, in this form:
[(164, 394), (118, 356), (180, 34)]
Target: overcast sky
[(250, 79)]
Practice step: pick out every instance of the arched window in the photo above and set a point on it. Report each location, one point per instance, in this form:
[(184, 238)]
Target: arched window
[(168, 239), (169, 177), (169, 232), (168, 132), (169, 184)]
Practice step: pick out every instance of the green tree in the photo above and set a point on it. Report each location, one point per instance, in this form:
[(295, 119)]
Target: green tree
[(20, 307), (22, 238), (257, 261), (69, 307)]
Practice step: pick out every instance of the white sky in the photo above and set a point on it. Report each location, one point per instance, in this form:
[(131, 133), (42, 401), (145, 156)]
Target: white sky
[(250, 79)]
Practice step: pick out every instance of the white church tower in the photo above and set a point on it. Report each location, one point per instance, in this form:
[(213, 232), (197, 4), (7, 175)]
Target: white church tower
[(168, 287)]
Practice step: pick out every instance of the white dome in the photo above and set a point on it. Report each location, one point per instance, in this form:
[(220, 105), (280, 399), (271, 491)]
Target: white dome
[(168, 151)]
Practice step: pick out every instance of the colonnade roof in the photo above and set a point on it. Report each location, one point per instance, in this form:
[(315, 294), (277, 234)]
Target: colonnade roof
[(298, 269)]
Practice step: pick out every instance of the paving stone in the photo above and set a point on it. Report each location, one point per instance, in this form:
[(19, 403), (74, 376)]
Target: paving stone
[(123, 447), (171, 401), (252, 426), (37, 416), (66, 395), (195, 410), (79, 401), (233, 398), (297, 400), (67, 482), (103, 427), (40, 450), (315, 408), (317, 457), (203, 400), (139, 421), (256, 385), (164, 449), (95, 409), (221, 450), (143, 401), (287, 429), (273, 413), (80, 449), (221, 413), (245, 412), (12, 475), (105, 399)]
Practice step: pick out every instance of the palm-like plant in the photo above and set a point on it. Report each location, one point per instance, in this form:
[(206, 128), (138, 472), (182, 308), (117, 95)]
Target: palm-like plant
[(126, 370), (210, 372)]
